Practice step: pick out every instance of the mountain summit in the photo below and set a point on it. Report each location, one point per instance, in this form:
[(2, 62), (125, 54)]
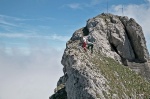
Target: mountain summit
[(117, 68)]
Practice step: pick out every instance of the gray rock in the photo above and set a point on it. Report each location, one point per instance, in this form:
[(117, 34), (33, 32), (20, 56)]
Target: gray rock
[(116, 37), (61, 94), (137, 40), (124, 36)]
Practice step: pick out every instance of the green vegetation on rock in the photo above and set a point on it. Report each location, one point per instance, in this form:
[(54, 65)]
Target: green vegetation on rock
[(122, 80)]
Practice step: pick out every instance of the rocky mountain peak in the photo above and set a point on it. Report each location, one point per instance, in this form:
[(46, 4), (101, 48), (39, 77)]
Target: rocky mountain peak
[(112, 69)]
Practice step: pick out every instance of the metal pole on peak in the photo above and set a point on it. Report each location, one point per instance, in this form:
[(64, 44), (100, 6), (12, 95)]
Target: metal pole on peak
[(107, 6), (122, 10)]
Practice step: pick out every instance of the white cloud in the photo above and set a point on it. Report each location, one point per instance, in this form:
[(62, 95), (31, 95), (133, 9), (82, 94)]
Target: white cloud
[(3, 22), (60, 38), (12, 24), (141, 13), (32, 76), (30, 71), (5, 17), (14, 27), (74, 6), (14, 35), (83, 5), (95, 2), (34, 36), (148, 0)]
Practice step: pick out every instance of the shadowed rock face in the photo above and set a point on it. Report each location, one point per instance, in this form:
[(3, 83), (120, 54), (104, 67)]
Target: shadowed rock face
[(137, 39), (116, 37)]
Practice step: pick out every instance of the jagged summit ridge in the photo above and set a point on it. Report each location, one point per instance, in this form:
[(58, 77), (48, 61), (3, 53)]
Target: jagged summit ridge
[(97, 75), (122, 35)]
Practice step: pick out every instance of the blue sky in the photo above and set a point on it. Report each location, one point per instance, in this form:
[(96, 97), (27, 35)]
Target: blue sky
[(33, 34), (52, 21)]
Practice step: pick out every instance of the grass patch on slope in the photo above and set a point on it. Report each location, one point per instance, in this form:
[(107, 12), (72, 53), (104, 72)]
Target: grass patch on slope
[(122, 80)]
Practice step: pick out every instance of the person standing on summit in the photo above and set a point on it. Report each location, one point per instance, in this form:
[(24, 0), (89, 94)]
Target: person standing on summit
[(84, 43), (90, 42)]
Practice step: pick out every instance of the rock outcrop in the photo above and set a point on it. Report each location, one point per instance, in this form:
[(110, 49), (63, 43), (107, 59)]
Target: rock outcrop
[(117, 69)]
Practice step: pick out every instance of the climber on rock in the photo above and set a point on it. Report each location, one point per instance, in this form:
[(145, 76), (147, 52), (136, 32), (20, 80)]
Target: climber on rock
[(90, 42), (84, 43)]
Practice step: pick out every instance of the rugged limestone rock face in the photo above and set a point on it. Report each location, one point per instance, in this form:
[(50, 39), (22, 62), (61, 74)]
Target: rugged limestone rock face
[(120, 34), (101, 75)]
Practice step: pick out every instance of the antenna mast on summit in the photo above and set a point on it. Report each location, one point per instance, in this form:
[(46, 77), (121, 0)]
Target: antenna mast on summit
[(107, 6), (122, 10)]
